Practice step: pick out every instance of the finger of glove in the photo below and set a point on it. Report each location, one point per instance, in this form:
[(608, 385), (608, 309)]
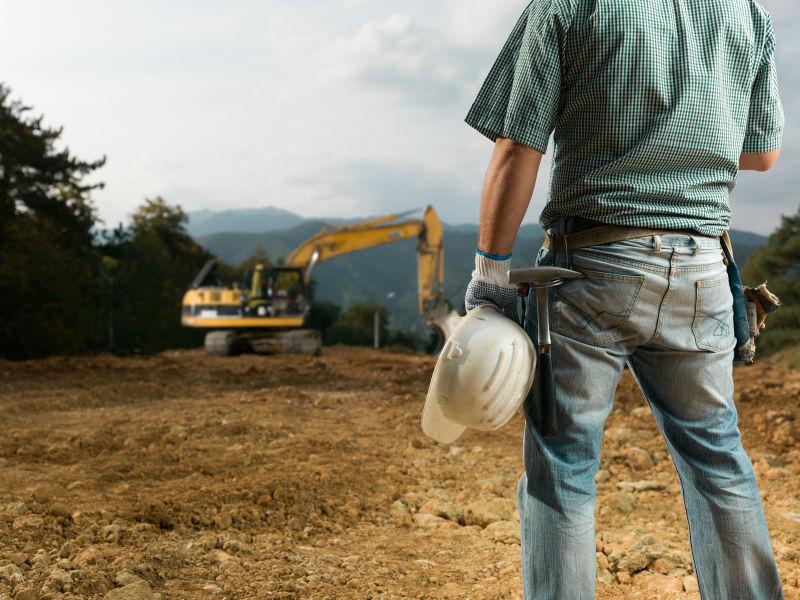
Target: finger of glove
[(480, 292)]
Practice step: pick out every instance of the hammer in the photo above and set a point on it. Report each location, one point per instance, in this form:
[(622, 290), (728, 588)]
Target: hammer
[(541, 279)]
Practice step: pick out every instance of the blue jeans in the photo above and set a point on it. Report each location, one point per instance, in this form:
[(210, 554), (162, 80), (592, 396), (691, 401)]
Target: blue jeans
[(662, 305)]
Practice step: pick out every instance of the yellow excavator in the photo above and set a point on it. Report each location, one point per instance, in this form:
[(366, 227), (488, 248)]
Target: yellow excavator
[(268, 312)]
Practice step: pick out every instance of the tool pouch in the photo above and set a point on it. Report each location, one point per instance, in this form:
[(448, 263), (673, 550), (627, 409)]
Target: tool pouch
[(750, 309), (745, 345)]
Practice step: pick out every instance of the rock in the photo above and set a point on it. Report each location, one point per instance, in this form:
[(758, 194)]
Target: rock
[(484, 512), (26, 594), (237, 546), (77, 575), (60, 511), (496, 484), (636, 557), (212, 589), (6, 571), (792, 516), (602, 476), (690, 584), (637, 459), (133, 591), (17, 508), (89, 556), (41, 559), (220, 557), (110, 533), (656, 582), (602, 560), (644, 485), (618, 502), (784, 434), (428, 521), (442, 508), (58, 581), (504, 532), (605, 576), (623, 577), (662, 565), (126, 578), (205, 541), (26, 521), (400, 513), (641, 412), (620, 435)]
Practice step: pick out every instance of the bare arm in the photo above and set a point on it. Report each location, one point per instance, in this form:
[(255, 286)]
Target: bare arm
[(762, 161), (507, 191)]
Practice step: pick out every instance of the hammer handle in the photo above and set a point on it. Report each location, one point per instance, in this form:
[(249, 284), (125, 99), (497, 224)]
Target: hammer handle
[(547, 395)]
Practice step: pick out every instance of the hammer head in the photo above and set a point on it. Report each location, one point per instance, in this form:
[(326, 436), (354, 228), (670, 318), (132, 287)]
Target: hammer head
[(542, 276)]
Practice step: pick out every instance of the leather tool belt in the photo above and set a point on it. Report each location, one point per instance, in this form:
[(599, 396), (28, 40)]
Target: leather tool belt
[(582, 232)]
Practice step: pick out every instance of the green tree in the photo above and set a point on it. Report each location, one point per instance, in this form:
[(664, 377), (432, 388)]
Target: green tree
[(356, 325), (778, 263), (48, 263), (156, 261), (322, 317)]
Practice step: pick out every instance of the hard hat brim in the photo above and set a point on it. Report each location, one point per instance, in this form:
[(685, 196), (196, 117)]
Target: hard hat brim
[(435, 425)]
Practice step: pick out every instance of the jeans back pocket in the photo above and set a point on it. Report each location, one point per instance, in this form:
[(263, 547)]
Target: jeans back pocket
[(713, 316), (594, 310)]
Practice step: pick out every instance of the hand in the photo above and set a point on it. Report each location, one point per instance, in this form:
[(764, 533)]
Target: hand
[(490, 285)]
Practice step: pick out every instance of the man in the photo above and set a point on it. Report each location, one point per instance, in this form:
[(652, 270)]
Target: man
[(655, 106)]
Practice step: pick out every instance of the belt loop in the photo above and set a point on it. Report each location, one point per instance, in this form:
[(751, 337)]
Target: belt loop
[(697, 246), (656, 244)]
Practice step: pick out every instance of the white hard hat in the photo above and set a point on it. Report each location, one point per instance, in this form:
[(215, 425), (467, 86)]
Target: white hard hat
[(482, 376)]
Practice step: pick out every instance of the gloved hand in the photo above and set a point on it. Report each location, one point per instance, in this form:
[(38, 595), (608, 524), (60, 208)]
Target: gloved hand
[(490, 285)]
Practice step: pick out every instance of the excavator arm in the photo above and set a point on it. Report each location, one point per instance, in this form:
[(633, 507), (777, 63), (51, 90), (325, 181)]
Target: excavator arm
[(376, 232)]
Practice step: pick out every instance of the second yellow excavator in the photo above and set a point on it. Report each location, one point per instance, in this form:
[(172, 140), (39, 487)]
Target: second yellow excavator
[(268, 313)]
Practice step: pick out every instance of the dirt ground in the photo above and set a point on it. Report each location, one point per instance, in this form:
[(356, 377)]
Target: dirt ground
[(183, 476)]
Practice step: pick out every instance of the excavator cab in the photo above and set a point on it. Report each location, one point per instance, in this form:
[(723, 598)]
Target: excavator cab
[(274, 292)]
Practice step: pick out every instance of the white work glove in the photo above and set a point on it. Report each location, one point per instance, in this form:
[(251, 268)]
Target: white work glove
[(490, 285)]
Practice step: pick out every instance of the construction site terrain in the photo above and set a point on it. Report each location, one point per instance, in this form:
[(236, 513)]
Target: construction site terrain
[(184, 476)]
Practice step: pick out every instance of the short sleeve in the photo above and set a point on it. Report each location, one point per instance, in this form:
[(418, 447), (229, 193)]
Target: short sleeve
[(766, 120), (521, 96)]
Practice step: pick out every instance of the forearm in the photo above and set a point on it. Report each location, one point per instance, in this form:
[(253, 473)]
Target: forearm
[(762, 161), (507, 191)]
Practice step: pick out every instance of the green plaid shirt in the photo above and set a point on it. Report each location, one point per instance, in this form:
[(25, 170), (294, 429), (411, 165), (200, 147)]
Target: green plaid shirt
[(651, 103)]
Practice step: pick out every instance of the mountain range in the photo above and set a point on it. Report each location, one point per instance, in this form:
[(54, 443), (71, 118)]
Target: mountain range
[(235, 235)]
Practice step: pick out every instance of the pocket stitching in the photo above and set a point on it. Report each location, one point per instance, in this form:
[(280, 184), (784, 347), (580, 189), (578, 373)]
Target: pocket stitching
[(637, 280), (705, 284)]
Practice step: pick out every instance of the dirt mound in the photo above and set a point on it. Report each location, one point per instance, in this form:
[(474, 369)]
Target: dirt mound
[(185, 476)]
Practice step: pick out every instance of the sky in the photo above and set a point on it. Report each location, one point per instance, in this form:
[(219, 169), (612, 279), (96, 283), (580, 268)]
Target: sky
[(341, 108)]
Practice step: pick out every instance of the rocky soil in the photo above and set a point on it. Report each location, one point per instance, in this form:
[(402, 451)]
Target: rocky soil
[(183, 476)]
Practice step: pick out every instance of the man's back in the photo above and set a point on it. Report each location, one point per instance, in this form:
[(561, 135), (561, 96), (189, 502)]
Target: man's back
[(652, 104)]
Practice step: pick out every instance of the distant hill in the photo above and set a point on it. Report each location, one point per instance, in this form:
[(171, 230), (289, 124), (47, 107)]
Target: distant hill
[(248, 220), (364, 275)]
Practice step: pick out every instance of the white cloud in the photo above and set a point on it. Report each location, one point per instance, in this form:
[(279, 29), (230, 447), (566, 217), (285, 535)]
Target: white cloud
[(481, 24), (399, 55)]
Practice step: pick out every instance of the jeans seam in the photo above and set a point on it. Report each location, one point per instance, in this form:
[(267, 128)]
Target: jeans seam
[(680, 480)]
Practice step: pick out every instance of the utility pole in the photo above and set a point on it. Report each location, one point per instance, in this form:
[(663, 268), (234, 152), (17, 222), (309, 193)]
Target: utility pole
[(376, 322)]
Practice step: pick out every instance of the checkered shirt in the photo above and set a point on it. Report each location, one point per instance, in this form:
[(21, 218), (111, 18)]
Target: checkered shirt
[(650, 103)]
